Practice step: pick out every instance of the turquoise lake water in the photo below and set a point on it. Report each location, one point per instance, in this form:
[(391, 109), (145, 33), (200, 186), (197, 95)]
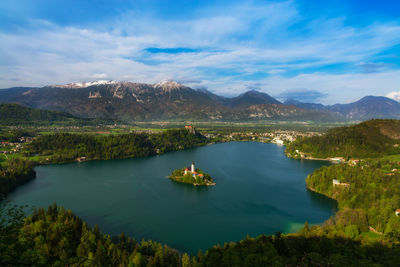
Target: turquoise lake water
[(259, 191)]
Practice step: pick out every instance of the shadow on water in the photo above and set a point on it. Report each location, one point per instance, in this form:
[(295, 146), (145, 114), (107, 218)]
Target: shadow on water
[(322, 202)]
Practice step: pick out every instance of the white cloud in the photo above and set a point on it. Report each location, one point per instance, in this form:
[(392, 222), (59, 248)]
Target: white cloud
[(230, 47), (99, 76), (394, 95)]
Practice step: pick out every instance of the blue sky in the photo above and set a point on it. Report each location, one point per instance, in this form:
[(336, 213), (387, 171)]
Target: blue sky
[(320, 51)]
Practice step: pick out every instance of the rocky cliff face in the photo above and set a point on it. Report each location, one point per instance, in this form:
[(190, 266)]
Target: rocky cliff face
[(166, 100)]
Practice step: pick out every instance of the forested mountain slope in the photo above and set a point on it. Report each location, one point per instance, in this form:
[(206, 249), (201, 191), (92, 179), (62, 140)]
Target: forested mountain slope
[(17, 115), (372, 138)]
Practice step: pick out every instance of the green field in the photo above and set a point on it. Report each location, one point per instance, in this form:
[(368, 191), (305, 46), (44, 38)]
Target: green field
[(392, 157), (261, 125)]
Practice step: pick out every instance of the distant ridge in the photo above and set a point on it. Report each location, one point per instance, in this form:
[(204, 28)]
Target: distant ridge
[(305, 105), (251, 98), (368, 107)]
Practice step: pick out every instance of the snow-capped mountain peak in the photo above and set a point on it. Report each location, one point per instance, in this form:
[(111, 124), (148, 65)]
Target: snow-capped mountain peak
[(85, 84), (167, 84), (100, 82)]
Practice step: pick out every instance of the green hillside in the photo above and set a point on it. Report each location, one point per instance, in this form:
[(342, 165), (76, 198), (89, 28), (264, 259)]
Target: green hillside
[(14, 114), (372, 138)]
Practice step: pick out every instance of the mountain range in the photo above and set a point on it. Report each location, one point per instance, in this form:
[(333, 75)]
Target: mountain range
[(170, 100), (368, 107)]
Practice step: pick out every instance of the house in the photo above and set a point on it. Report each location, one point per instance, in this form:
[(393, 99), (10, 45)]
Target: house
[(80, 159), (398, 212), (337, 159), (278, 141), (336, 182), (186, 171), (190, 128)]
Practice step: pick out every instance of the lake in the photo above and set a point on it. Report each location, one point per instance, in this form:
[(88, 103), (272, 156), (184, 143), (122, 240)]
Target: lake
[(259, 191)]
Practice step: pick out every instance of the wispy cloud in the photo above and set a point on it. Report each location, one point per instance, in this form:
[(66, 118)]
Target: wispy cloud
[(171, 50), (339, 88), (271, 47), (373, 67)]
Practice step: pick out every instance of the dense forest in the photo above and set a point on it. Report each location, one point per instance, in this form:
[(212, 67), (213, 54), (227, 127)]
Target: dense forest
[(15, 173), (56, 237), (372, 138), (14, 135), (17, 115), (64, 147), (368, 194)]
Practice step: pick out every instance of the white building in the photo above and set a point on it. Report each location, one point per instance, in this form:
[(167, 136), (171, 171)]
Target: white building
[(337, 159), (336, 182), (192, 167)]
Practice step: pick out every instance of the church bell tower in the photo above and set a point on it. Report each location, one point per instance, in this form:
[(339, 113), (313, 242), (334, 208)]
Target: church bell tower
[(193, 168)]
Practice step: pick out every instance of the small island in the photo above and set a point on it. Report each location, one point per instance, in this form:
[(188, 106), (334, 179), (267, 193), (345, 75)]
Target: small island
[(192, 176)]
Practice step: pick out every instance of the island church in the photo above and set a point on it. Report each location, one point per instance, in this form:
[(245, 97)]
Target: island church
[(192, 170)]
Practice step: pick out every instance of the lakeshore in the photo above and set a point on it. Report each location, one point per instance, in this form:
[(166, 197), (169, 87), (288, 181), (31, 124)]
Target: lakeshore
[(246, 200)]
